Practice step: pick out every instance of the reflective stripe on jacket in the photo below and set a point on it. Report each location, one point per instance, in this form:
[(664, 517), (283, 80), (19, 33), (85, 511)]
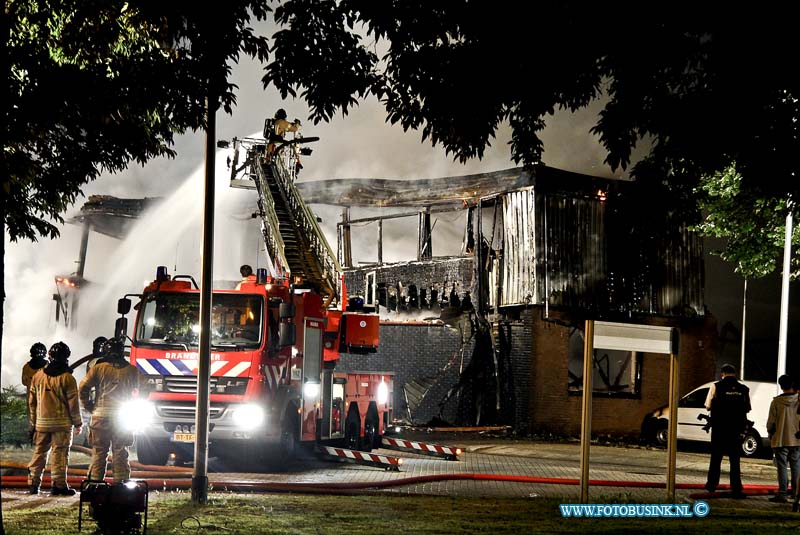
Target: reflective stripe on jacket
[(114, 384), (53, 401)]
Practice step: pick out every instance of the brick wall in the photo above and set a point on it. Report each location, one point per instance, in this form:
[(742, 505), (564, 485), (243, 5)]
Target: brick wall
[(554, 410), (539, 400), (417, 351)]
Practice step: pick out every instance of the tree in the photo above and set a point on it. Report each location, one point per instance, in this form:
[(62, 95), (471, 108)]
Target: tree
[(753, 227), (704, 89), (95, 85)]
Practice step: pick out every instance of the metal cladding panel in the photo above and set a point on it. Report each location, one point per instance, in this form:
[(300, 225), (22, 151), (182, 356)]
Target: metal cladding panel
[(572, 247), (592, 252), (518, 269)]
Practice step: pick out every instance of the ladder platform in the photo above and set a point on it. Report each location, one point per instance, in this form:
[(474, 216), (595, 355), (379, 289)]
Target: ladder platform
[(436, 450), (386, 462)]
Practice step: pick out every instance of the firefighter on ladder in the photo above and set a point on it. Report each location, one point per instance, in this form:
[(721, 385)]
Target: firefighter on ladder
[(275, 130), (114, 381)]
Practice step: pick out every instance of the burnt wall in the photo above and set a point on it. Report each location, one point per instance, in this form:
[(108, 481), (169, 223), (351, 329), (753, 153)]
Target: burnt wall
[(409, 287)]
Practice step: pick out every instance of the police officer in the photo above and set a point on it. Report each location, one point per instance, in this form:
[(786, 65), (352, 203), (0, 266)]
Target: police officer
[(729, 402), (114, 382), (37, 362), (54, 410)]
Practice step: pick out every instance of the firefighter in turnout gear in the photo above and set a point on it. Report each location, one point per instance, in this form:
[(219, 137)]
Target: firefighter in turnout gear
[(37, 362), (114, 382), (54, 410)]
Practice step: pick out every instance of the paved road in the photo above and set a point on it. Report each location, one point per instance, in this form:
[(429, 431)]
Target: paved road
[(503, 457), (559, 461)]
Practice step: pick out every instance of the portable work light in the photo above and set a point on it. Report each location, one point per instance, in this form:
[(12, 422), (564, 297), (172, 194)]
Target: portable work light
[(116, 508)]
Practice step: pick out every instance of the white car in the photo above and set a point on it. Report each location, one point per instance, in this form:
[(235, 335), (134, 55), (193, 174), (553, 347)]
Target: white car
[(692, 417)]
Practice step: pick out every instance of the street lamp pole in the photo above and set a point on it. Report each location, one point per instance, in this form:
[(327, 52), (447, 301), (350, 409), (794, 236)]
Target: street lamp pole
[(787, 258)]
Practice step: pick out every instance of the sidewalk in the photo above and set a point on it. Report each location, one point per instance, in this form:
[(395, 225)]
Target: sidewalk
[(610, 463)]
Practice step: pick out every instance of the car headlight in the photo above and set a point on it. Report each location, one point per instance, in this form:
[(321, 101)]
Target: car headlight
[(135, 415), (383, 393), (248, 416)]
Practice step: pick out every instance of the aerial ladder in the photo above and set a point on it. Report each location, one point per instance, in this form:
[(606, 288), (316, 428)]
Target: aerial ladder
[(292, 235)]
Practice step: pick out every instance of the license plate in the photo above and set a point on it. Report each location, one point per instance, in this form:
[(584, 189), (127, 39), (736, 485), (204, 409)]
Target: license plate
[(183, 437)]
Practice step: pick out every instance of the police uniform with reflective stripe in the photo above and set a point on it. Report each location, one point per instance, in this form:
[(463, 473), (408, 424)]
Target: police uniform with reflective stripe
[(729, 402)]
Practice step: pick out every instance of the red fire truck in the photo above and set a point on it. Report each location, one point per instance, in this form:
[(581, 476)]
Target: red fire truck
[(274, 351), (275, 342)]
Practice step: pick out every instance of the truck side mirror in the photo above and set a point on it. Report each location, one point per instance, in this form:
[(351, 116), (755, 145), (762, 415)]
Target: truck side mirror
[(123, 306), (288, 334)]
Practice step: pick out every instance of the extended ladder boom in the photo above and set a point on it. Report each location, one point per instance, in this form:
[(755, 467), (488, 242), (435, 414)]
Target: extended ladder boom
[(292, 235)]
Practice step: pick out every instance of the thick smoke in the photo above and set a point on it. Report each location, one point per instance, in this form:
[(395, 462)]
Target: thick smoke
[(360, 145)]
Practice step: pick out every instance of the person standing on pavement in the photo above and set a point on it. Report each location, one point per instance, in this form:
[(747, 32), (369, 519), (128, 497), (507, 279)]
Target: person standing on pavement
[(728, 401), (54, 412), (782, 426), (114, 382)]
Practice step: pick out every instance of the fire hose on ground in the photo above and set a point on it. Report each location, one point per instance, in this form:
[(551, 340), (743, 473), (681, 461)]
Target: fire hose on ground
[(176, 478)]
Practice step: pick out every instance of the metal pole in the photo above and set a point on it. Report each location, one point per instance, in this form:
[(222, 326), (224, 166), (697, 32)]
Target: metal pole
[(200, 473), (380, 241), (672, 440), (744, 326), (73, 323), (347, 252), (586, 412), (84, 247), (787, 258)]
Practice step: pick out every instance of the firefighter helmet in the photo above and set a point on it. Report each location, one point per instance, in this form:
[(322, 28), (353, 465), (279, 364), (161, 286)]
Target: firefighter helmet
[(59, 352), (280, 114), (38, 351), (113, 348), (97, 345)]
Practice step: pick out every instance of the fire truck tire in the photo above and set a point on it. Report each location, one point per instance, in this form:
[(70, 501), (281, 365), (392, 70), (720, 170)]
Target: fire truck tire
[(290, 440), (352, 428), (371, 429), (153, 452)]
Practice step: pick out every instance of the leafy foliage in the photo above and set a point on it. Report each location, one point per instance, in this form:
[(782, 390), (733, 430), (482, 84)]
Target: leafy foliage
[(704, 90), (95, 85), (754, 226), (13, 416)]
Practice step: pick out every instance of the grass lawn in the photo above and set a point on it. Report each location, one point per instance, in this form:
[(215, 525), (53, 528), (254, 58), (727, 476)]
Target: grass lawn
[(251, 514)]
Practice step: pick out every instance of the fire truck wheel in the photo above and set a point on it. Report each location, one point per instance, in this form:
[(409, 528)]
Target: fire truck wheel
[(351, 432), (289, 444), (151, 451), (370, 432)]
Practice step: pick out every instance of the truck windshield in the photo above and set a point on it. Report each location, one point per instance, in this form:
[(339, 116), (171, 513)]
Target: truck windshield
[(173, 320)]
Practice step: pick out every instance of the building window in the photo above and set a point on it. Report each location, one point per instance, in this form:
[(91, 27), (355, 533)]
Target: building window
[(616, 373)]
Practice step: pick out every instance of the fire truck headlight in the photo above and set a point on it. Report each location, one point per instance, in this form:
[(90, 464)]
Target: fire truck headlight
[(311, 390), (383, 393), (135, 415), (248, 416)]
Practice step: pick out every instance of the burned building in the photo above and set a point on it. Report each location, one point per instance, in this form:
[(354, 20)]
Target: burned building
[(494, 335), (107, 215)]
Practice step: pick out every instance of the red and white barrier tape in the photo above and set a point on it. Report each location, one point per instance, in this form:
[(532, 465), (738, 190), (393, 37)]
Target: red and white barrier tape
[(421, 447), (362, 456)]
